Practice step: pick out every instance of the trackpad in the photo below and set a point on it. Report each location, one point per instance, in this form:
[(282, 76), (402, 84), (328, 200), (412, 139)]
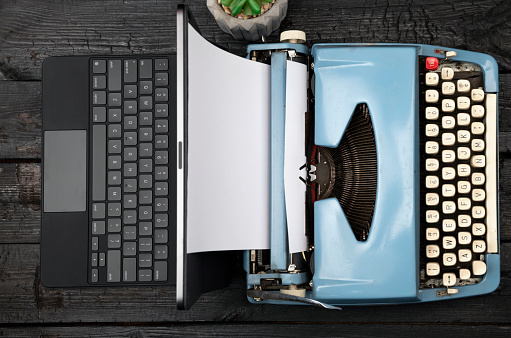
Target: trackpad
[(65, 171)]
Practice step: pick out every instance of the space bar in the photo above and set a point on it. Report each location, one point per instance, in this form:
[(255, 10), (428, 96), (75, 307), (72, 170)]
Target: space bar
[(98, 162), (491, 174)]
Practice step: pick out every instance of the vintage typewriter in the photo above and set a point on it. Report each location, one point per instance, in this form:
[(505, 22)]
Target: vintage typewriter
[(402, 149), (399, 180)]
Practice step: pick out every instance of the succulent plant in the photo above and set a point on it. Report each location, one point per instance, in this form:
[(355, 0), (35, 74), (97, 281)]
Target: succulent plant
[(249, 7)]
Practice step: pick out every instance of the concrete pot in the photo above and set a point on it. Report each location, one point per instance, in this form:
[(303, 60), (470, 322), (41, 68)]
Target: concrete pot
[(249, 29)]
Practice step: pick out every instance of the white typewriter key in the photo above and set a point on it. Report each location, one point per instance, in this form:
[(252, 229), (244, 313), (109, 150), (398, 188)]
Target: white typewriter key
[(463, 86), (432, 234), (477, 145), (477, 110), (463, 119), (464, 255), (464, 203), (432, 216), (463, 102), (448, 242), (477, 128), (432, 164), (464, 273), (478, 229), (448, 207), (431, 96), (479, 246), (432, 130), (448, 139), (448, 156), (448, 88), (432, 198), (478, 161), (449, 259), (448, 190), (477, 95), (448, 105), (463, 153), (432, 269), (431, 79), (431, 147), (449, 279), (432, 113), (463, 187), (432, 251), (448, 225), (478, 212), (448, 173), (432, 182), (478, 268), (463, 136), (463, 170), (447, 73), (464, 237), (478, 179), (448, 122), (464, 221), (478, 195)]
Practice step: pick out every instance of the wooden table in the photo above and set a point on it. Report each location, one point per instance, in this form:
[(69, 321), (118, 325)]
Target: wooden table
[(31, 30)]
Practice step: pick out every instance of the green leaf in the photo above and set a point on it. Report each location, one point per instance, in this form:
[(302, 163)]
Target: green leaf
[(236, 6), (255, 7), (259, 3), (226, 3), (247, 10)]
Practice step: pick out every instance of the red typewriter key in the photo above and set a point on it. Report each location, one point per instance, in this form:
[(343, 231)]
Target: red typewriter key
[(431, 63)]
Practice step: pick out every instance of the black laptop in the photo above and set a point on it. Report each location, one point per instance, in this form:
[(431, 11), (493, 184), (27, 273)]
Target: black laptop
[(114, 174)]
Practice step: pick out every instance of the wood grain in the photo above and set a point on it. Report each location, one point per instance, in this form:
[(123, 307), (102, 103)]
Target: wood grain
[(263, 330), (27, 37), (23, 299)]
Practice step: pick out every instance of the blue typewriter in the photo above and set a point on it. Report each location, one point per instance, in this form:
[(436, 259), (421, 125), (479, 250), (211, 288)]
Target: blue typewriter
[(401, 184)]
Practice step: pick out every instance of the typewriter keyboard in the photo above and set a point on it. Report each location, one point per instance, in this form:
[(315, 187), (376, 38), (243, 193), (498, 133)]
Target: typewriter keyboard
[(130, 181), (458, 143)]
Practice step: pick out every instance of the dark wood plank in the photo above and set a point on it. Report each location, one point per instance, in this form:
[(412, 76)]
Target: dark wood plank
[(31, 30), (263, 330), (20, 120), (20, 200), (25, 300)]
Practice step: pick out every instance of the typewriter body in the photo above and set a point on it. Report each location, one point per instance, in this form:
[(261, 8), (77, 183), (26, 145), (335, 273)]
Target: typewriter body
[(402, 185)]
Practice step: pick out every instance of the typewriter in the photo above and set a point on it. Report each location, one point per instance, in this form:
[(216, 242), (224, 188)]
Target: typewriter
[(401, 184)]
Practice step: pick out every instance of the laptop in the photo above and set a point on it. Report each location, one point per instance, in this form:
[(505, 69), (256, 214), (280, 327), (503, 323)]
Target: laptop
[(114, 173)]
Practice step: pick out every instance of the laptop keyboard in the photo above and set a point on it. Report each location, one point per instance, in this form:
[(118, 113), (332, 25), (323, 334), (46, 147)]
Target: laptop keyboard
[(129, 228)]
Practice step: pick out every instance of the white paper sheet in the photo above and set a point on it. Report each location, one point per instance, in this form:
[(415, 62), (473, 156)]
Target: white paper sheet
[(294, 158), (228, 184)]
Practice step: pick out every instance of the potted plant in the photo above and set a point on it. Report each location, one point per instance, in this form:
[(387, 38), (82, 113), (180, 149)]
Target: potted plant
[(248, 19)]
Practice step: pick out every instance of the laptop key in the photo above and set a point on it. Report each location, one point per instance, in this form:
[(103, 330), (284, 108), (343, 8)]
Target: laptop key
[(145, 229), (145, 275), (130, 91), (146, 69), (98, 162), (160, 251), (113, 266), (99, 66), (160, 271), (114, 194), (161, 64), (130, 70), (145, 244), (98, 210), (129, 269), (145, 260), (94, 276), (114, 75), (130, 216), (114, 241)]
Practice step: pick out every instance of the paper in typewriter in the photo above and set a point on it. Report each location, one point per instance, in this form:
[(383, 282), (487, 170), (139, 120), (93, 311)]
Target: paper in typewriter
[(228, 184)]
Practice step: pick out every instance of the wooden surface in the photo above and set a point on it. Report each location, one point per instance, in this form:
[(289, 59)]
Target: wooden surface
[(31, 30)]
